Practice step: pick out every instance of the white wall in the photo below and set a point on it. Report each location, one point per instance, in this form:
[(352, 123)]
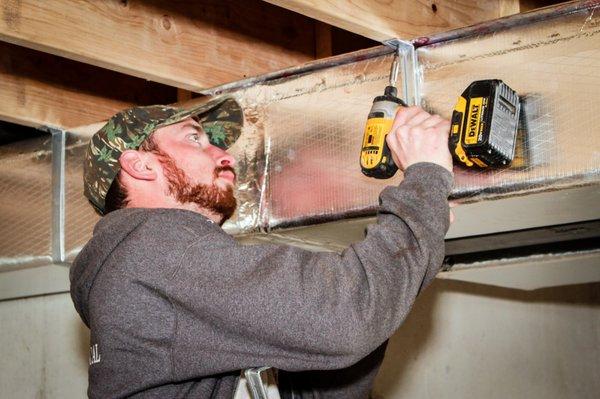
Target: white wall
[(43, 349), (461, 341), (465, 341)]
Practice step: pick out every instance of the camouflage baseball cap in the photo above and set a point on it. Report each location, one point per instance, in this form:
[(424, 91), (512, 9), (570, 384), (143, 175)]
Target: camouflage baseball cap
[(222, 119)]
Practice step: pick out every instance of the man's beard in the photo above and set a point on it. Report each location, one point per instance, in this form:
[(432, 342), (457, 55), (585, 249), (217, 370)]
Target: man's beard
[(220, 201)]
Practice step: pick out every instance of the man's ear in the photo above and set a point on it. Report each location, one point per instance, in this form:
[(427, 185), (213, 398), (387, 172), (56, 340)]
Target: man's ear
[(135, 164)]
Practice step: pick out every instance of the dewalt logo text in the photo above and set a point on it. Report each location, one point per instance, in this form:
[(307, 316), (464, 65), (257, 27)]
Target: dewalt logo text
[(473, 120)]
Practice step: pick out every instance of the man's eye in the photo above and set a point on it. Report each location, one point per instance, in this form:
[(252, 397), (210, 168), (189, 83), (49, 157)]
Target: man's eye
[(195, 137)]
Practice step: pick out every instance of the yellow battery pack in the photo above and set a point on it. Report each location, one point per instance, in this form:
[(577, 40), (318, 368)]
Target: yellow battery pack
[(484, 125)]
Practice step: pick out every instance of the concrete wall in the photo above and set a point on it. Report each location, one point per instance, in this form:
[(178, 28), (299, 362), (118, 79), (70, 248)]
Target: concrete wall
[(465, 340), (43, 349), (461, 341)]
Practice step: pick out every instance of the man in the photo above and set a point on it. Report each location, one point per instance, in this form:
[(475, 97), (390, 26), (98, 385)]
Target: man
[(177, 308)]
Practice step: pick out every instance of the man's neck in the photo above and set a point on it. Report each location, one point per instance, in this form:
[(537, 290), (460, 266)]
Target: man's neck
[(204, 212), (172, 203)]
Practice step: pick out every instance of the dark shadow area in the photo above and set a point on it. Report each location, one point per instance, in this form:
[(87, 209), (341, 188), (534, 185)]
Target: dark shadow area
[(76, 76), (513, 249), (343, 41), (538, 236), (578, 294), (12, 133)]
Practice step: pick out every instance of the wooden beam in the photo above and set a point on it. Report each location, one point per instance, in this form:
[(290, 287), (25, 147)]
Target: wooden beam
[(183, 95), (323, 40), (41, 89), (405, 19), (184, 43), (508, 8)]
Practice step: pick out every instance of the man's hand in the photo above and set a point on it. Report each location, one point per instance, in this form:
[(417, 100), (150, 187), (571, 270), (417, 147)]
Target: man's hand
[(418, 136)]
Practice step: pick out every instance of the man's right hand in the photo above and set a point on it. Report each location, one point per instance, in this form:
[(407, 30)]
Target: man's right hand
[(417, 136)]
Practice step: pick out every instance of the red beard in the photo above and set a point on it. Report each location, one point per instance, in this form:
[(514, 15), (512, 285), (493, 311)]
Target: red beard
[(208, 196)]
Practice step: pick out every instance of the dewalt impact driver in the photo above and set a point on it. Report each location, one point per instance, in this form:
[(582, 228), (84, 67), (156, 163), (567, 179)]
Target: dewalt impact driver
[(483, 132)]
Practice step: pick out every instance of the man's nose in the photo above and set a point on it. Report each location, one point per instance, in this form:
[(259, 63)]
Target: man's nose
[(223, 158)]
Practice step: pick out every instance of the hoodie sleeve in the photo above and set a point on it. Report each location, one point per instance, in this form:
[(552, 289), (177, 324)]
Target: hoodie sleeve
[(245, 306)]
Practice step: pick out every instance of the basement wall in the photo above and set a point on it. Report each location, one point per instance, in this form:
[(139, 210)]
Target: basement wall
[(460, 341)]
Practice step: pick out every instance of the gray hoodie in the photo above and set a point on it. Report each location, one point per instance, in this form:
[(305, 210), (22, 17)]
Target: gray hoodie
[(176, 307)]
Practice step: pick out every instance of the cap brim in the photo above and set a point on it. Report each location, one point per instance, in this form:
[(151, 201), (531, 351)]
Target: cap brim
[(222, 118)]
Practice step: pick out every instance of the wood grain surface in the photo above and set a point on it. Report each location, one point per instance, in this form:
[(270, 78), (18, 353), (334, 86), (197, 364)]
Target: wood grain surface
[(405, 19), (184, 43)]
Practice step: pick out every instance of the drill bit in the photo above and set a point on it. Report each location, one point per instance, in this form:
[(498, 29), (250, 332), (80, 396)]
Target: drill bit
[(395, 68)]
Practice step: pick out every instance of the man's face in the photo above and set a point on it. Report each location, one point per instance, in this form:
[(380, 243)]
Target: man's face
[(197, 171)]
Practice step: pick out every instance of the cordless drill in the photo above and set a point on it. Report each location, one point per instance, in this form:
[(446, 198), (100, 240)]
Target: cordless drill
[(483, 133), (375, 156)]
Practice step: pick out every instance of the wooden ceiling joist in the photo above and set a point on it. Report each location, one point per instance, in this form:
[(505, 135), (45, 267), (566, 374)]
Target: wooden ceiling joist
[(404, 19), (41, 89), (183, 43)]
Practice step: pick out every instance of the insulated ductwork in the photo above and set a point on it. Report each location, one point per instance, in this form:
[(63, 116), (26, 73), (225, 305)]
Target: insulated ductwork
[(298, 154)]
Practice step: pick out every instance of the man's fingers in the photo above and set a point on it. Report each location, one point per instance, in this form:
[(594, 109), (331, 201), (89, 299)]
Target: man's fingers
[(394, 145), (432, 121), (416, 136), (418, 118), (443, 125), (403, 115), (415, 116)]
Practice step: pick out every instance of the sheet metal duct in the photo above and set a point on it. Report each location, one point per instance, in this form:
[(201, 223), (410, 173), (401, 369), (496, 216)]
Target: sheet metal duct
[(26, 202), (298, 154), (309, 125)]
